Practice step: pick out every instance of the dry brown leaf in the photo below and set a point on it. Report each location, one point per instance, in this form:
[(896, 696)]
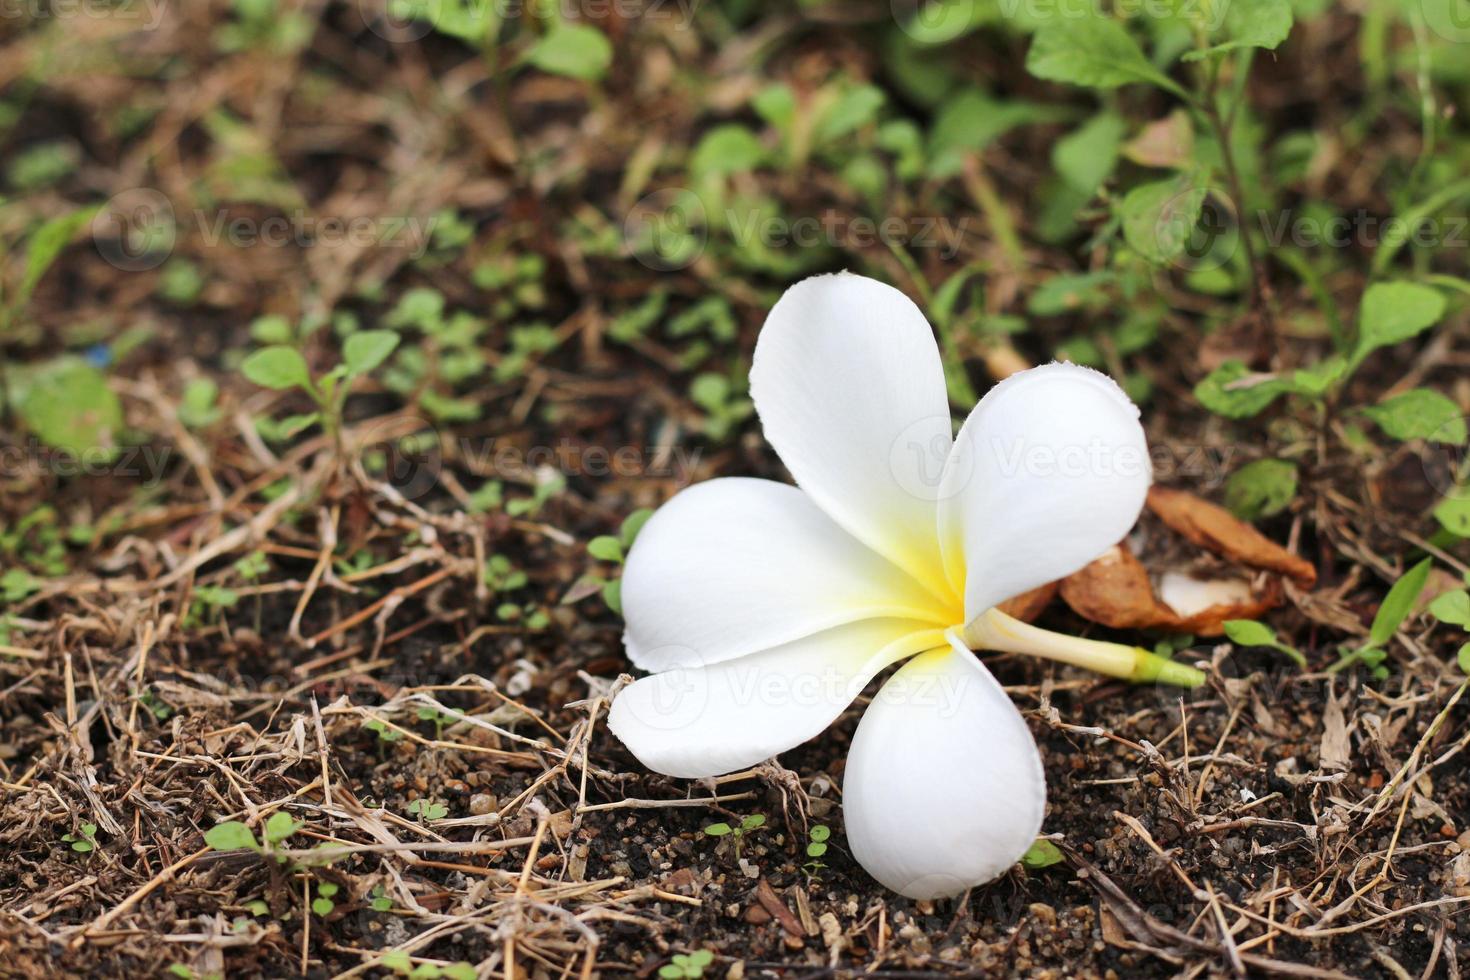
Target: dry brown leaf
[(1335, 751), (1115, 590), (1222, 532)]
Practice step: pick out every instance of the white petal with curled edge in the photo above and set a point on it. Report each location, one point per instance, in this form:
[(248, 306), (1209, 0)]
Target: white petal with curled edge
[(706, 721), (737, 565), (1049, 471), (849, 387), (944, 789)]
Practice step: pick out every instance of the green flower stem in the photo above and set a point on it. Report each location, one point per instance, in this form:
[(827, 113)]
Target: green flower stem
[(994, 630)]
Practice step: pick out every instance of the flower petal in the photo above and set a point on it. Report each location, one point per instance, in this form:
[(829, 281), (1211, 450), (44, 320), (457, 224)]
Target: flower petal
[(705, 721), (1049, 471), (944, 788), (736, 565), (850, 389)]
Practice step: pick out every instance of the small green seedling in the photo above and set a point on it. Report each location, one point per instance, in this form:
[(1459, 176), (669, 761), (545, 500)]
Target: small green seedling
[(235, 835), (399, 962), (1041, 854), (85, 842), (747, 825), (614, 548), (816, 847), (1453, 609), (379, 901), (1249, 633), (439, 719), (323, 905), (1391, 615), (387, 734), (687, 966), (426, 810), (281, 367)]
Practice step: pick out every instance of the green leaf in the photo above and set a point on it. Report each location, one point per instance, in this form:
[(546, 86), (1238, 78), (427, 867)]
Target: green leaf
[(1395, 311), (632, 524), (1453, 514), (1398, 604), (396, 960), (971, 120), (605, 547), (725, 150), (322, 906), (612, 594), (1159, 217), (277, 367), (1452, 607), (816, 849), (66, 403), (671, 971), (718, 829), (279, 826), (232, 835), (1041, 854), (1464, 658), (363, 352), (44, 247), (753, 821), (701, 958), (1421, 413), (574, 50), (1233, 391), (1250, 24), (857, 106), (820, 833), (460, 971), (1094, 52), (1087, 156), (1261, 489), (272, 329), (1249, 633)]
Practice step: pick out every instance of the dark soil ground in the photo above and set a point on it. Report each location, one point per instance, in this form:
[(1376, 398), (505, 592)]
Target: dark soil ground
[(1275, 821)]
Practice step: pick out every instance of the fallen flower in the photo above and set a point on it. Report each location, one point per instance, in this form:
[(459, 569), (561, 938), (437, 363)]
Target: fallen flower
[(763, 610)]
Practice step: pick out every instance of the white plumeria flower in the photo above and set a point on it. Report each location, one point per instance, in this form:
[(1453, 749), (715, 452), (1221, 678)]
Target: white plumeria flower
[(763, 610)]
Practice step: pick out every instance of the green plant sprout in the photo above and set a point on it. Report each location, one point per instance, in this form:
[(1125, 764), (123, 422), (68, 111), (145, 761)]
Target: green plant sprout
[(426, 810), (1249, 633), (235, 835), (323, 905), (400, 963), (84, 841), (687, 966), (614, 548), (438, 718), (387, 734), (1396, 606), (379, 901), (737, 833), (816, 847), (282, 367), (1041, 854), (1453, 609)]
